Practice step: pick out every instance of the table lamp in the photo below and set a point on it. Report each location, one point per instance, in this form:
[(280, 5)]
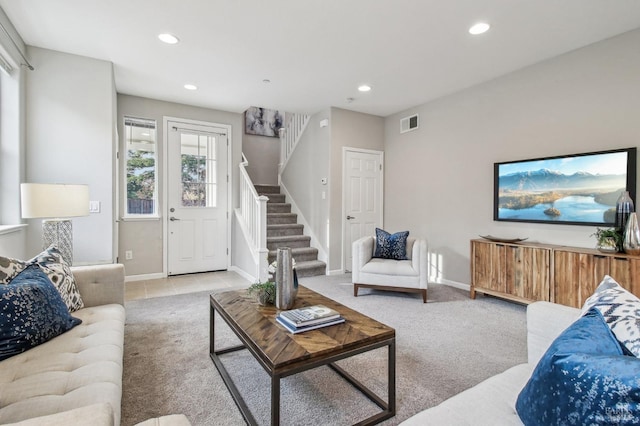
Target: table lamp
[(58, 202)]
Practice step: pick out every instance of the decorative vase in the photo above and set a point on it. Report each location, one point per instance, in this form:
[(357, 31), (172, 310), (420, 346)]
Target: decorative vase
[(624, 207), (286, 288), (631, 242)]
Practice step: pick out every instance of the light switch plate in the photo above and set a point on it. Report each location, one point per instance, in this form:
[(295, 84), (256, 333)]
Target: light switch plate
[(94, 206)]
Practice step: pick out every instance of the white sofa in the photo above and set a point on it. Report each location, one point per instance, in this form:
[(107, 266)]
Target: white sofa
[(75, 378), (388, 274), (492, 402)]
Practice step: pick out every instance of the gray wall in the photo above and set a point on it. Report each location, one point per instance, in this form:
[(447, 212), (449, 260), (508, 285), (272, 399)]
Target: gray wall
[(263, 154), (309, 163), (144, 237), (69, 139), (354, 130), (439, 178), (319, 155)]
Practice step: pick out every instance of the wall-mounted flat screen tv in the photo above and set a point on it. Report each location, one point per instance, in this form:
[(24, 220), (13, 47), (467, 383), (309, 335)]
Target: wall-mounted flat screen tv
[(578, 189)]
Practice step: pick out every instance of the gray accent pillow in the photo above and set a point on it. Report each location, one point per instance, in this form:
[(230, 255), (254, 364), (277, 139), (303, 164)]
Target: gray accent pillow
[(9, 268), (621, 311), (53, 265)]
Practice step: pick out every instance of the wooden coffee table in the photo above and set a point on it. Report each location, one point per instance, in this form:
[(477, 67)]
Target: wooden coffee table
[(282, 354)]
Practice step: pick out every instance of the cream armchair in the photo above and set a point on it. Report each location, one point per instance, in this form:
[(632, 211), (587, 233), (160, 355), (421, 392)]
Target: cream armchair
[(387, 274)]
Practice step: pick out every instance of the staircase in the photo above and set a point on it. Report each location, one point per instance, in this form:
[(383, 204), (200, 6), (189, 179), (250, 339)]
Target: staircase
[(283, 230)]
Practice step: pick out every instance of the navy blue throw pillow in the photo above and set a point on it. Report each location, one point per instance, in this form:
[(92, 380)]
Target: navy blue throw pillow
[(391, 246), (583, 379), (31, 312)]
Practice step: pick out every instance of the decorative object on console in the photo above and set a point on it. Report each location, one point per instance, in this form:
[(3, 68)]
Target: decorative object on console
[(286, 284), (578, 189), (503, 240), (391, 246), (58, 202), (631, 242), (624, 207), (609, 240)]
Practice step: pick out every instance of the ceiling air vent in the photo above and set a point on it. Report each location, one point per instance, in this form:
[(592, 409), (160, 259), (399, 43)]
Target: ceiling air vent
[(408, 124)]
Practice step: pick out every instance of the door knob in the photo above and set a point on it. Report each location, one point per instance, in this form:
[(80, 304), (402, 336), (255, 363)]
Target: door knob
[(350, 217), (173, 218)]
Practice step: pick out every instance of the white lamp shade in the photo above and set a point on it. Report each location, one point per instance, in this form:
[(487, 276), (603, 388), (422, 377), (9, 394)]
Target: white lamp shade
[(42, 200)]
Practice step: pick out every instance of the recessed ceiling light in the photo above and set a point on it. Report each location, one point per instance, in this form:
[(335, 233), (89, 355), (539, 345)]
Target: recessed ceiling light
[(266, 81), (364, 88), (191, 87), (168, 38), (479, 28)]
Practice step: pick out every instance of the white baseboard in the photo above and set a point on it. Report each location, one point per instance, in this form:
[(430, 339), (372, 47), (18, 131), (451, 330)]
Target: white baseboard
[(461, 286), (243, 274), (336, 272), (143, 277)]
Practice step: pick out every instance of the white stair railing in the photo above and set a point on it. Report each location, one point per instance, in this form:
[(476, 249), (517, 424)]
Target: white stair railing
[(290, 135), (253, 214)]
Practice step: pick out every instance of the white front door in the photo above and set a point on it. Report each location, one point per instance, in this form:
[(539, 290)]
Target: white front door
[(197, 198), (362, 186)]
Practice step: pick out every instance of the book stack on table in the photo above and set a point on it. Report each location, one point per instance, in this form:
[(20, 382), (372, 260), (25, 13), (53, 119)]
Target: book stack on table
[(308, 318)]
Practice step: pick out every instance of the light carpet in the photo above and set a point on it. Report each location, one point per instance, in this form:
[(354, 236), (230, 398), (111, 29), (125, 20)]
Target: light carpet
[(442, 348)]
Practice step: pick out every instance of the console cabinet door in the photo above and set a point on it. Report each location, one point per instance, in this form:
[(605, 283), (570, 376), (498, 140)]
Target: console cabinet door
[(527, 272), (626, 271), (576, 276), (510, 271), (488, 266)]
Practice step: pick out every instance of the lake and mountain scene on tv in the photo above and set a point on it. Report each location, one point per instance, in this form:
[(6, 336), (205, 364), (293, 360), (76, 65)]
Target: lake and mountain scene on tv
[(576, 189)]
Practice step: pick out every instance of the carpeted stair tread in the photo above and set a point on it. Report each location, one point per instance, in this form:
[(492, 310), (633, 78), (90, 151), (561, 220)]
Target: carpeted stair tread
[(300, 254), (310, 268), (274, 198), (279, 230), (278, 208), (280, 218), (267, 189), (293, 241)]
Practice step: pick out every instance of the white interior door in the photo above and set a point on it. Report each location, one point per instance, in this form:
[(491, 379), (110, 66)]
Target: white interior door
[(362, 186), (197, 198)]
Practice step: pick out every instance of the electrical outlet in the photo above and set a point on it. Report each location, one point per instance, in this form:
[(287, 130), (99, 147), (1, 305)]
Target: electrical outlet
[(128, 255)]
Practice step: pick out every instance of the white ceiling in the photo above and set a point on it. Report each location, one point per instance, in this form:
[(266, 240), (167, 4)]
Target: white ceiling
[(315, 52)]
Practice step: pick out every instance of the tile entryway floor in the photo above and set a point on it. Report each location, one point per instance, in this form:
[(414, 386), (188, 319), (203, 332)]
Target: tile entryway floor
[(180, 284)]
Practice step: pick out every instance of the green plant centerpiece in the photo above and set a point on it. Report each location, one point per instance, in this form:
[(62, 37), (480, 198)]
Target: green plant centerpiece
[(609, 240), (264, 293)]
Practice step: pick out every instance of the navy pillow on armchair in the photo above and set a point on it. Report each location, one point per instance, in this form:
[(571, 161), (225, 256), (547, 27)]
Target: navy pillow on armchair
[(391, 246), (31, 312)]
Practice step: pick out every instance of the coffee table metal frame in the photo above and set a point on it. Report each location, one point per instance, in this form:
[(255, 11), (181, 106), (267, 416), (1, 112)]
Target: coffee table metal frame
[(388, 407)]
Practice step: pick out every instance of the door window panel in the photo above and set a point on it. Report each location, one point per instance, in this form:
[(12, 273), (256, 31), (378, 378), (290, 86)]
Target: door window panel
[(199, 167)]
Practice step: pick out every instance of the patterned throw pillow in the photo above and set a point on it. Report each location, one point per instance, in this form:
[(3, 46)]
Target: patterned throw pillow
[(52, 264), (391, 246), (583, 379), (621, 311), (31, 312), (9, 268)]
